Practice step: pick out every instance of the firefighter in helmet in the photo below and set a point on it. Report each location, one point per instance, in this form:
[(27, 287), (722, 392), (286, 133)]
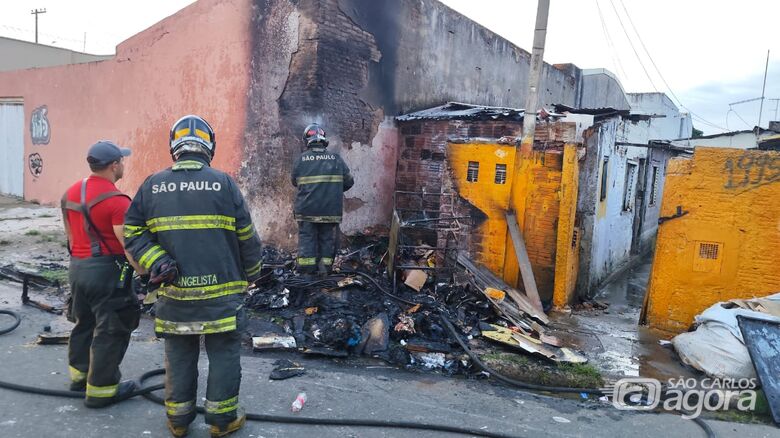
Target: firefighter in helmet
[(189, 227), (321, 177)]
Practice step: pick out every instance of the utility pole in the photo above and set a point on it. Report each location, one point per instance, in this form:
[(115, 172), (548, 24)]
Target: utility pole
[(534, 76), (36, 12), (763, 89)]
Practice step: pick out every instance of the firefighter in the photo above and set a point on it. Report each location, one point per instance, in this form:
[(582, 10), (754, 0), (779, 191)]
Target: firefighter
[(321, 177), (188, 225), (102, 303)]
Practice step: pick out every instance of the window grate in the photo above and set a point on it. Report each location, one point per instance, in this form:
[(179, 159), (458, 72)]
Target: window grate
[(472, 174), (654, 185), (604, 168), (500, 174), (709, 251), (628, 191)]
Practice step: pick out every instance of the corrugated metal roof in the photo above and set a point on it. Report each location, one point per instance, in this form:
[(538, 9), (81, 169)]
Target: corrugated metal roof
[(464, 111)]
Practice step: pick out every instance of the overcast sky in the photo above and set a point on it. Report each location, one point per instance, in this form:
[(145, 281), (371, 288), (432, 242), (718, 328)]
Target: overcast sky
[(709, 52)]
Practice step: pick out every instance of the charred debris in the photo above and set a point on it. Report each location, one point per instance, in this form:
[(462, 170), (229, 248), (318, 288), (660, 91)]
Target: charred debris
[(388, 298)]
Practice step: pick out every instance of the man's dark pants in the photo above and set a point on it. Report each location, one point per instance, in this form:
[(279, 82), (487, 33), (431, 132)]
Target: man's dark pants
[(224, 378), (316, 245), (105, 315)]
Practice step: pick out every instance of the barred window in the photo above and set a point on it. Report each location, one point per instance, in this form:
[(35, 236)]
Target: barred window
[(654, 185), (472, 174), (500, 174), (628, 190)]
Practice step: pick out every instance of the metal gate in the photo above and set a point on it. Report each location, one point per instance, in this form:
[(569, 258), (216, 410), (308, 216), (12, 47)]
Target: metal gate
[(11, 148)]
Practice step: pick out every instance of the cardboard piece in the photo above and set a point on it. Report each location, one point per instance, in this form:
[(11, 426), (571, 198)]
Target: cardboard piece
[(416, 279)]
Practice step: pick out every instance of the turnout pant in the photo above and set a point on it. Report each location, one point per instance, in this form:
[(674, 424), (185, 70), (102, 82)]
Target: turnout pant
[(105, 315), (316, 246), (224, 378)]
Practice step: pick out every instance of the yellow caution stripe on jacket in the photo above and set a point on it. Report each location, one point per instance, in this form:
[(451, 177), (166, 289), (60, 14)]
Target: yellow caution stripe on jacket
[(133, 230), (202, 292), (102, 391), (192, 222), (254, 270), (319, 219), (195, 327), (76, 375), (150, 256), (246, 233), (316, 179), (221, 407), (179, 408), (327, 261)]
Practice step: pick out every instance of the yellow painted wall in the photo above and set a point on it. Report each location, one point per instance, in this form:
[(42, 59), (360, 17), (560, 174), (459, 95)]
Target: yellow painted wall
[(537, 181), (727, 246), (491, 198), (567, 253)]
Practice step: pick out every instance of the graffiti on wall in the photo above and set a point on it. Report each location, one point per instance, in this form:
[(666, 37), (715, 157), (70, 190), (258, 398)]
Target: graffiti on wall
[(35, 163), (40, 130), (751, 171)]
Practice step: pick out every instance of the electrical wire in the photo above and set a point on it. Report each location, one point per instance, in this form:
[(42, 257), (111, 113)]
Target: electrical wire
[(613, 52), (631, 43), (652, 62)]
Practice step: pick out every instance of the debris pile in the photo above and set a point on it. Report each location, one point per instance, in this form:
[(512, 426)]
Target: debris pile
[(360, 310)]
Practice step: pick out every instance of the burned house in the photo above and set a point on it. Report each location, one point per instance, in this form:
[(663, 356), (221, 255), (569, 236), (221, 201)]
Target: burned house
[(270, 68), (465, 159)]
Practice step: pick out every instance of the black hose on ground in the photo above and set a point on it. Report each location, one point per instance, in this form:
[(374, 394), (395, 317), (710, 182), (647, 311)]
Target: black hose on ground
[(17, 320), (336, 422)]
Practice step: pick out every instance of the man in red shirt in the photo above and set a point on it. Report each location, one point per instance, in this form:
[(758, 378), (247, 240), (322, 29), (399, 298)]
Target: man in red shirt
[(103, 306)]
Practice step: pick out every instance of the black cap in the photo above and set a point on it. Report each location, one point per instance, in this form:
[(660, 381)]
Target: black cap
[(105, 152)]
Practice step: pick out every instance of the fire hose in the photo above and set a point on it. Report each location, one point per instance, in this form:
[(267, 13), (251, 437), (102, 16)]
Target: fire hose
[(148, 393)]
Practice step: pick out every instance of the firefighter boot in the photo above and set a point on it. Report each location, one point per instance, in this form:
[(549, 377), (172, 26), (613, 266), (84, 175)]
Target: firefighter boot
[(238, 423), (123, 391), (178, 431)]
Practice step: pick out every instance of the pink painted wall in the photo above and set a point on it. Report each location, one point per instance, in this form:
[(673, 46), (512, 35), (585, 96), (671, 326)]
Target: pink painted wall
[(196, 61)]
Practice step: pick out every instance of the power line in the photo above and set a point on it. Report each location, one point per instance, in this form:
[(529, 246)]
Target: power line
[(613, 52), (679, 102), (631, 43)]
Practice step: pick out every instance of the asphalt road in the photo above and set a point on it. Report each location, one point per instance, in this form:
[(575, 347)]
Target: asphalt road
[(334, 389)]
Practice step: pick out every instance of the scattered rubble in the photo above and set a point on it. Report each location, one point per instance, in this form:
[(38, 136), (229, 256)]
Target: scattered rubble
[(361, 310)]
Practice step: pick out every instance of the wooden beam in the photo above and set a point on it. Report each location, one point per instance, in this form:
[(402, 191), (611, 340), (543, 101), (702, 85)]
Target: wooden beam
[(526, 272)]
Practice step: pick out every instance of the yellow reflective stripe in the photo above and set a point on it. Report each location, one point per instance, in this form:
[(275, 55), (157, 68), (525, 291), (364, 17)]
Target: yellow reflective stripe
[(323, 219), (246, 233), (151, 254), (327, 261), (179, 408), (181, 133), (193, 222), (76, 375), (202, 134), (102, 391), (202, 293), (132, 231), (187, 165), (307, 261), (195, 327), (221, 407), (320, 179), (254, 269), (192, 217)]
